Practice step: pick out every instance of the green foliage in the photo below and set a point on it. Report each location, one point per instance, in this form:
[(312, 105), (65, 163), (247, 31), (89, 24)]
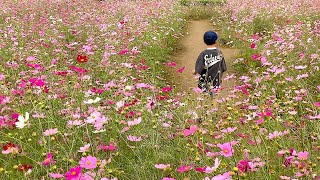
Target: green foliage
[(184, 2), (262, 25)]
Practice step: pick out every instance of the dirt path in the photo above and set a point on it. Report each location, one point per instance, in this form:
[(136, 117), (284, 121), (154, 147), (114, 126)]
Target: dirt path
[(192, 44)]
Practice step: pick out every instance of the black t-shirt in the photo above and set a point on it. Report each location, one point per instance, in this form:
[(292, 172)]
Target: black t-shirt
[(213, 60)]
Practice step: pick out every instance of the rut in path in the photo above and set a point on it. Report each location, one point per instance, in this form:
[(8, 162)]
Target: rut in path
[(192, 44)]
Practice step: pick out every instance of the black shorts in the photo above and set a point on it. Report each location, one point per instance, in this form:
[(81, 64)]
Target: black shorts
[(206, 84)]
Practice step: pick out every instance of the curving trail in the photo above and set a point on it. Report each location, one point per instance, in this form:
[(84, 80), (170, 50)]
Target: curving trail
[(192, 44)]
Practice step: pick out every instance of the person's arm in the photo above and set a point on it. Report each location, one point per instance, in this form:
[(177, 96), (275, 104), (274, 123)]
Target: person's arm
[(199, 64), (223, 64)]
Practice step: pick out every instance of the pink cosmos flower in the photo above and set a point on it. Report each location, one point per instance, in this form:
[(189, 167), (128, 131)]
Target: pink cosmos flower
[(56, 175), (185, 168), (49, 160), (171, 64), (110, 147), (167, 178), (226, 149), (288, 161), (316, 104), (181, 69), (73, 173), (265, 113), (167, 89), (36, 82), (84, 148), (88, 162), (303, 155), (78, 69), (244, 165), (190, 131), (255, 56), (50, 132)]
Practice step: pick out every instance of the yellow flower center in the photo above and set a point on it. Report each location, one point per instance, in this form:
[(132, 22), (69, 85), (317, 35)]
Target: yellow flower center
[(73, 173), (93, 117), (226, 151), (88, 162)]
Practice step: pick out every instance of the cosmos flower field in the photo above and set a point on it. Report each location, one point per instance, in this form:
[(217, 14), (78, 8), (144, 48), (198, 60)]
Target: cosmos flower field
[(84, 95)]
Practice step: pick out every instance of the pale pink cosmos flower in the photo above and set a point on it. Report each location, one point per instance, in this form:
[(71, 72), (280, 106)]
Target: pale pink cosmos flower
[(151, 104), (30, 58), (212, 154), (197, 90), (50, 132), (134, 122), (303, 155), (162, 166), (2, 77), (98, 124), (134, 138), (213, 168), (167, 178), (274, 135), (285, 178), (229, 130), (88, 162), (226, 149), (142, 85), (56, 175), (93, 117), (281, 153), (224, 176), (84, 148), (314, 117)]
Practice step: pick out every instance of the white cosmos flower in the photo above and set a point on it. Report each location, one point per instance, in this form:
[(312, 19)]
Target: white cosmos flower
[(22, 121), (91, 101)]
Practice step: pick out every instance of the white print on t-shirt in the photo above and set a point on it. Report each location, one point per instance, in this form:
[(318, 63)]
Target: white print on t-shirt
[(211, 60)]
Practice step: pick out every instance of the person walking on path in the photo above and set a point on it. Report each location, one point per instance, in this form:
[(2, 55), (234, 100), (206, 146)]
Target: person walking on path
[(210, 64)]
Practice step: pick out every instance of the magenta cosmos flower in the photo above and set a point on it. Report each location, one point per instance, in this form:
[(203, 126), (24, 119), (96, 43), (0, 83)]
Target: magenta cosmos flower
[(88, 162), (49, 160), (73, 173), (226, 149)]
